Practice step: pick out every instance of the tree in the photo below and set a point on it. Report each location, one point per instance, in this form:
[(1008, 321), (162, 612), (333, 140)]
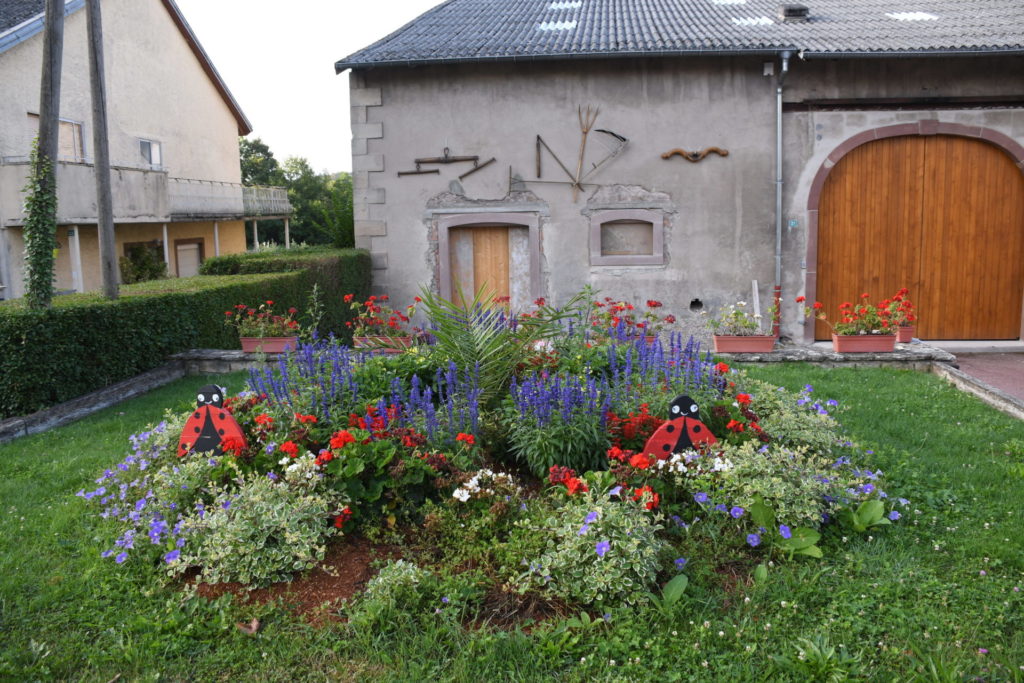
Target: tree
[(334, 215), (259, 167), (41, 201)]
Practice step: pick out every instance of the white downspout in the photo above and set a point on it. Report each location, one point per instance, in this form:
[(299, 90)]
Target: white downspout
[(778, 189)]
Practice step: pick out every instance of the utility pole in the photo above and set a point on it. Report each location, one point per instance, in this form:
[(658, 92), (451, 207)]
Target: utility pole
[(41, 238), (101, 151)]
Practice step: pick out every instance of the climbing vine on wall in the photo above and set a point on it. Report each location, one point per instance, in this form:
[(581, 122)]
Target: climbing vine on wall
[(40, 230)]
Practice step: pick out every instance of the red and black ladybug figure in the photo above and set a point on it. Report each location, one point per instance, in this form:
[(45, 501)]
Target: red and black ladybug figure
[(683, 431), (210, 426)]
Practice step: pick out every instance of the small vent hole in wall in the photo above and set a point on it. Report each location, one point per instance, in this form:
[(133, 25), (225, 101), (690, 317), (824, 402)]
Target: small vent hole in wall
[(696, 305)]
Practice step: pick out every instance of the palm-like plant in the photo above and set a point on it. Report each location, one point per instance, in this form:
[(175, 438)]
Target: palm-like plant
[(484, 336)]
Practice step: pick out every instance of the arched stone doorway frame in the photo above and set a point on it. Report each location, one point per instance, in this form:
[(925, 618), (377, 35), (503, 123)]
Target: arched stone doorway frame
[(923, 127)]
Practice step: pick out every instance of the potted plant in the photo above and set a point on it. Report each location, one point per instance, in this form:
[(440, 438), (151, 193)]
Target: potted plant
[(261, 329), (903, 316), (862, 327), (378, 326), (734, 329)]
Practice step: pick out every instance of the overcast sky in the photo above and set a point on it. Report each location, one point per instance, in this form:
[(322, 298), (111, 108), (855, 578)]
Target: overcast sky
[(277, 59)]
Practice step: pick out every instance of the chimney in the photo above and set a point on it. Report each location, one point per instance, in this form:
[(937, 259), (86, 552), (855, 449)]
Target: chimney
[(793, 13)]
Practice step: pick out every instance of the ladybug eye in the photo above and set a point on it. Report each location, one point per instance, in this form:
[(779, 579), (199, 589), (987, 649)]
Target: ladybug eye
[(215, 398), (693, 408), (201, 397), (675, 409)]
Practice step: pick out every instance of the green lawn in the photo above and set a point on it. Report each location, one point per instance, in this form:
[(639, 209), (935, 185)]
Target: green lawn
[(936, 596)]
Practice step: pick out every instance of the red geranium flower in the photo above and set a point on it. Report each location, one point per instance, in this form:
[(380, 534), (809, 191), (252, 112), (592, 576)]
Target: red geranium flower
[(341, 439), (468, 438), (640, 461), (743, 399), (291, 448), (722, 368)]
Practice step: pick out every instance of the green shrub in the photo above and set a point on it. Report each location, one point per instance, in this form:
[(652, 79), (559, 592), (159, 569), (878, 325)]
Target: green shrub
[(600, 551), (85, 342), (261, 532)]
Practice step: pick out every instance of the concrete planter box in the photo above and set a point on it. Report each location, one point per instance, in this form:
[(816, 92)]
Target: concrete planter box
[(863, 343), (268, 344), (758, 343)]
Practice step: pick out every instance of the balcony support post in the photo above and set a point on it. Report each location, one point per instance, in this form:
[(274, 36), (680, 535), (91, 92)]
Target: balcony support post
[(255, 235), (76, 259), (216, 238), (167, 251), (287, 235)]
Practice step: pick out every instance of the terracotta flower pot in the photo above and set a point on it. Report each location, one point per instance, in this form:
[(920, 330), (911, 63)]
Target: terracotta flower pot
[(758, 343), (863, 343), (268, 344), (383, 344), (905, 333)]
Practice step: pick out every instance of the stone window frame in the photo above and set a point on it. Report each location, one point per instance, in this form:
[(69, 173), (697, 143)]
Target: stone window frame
[(653, 216), (525, 219)]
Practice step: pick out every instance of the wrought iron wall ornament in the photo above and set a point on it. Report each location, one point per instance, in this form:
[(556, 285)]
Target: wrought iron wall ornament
[(447, 158), (695, 156)]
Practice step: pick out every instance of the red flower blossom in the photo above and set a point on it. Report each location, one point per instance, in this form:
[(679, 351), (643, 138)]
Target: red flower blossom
[(573, 485), (743, 399), (305, 418), (468, 438), (341, 439), (232, 445), (647, 492), (651, 303), (734, 426), (640, 461), (340, 520), (264, 419), (801, 299), (290, 447), (722, 368), (540, 301)]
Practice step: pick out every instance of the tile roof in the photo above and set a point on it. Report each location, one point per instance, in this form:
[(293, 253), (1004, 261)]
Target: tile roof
[(14, 12), (478, 30)]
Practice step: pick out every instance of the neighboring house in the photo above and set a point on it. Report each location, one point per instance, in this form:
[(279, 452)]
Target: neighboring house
[(173, 130), (871, 146)]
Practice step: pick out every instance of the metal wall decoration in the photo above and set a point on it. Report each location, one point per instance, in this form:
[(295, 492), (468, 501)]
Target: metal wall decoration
[(586, 122), (695, 156), (447, 158)]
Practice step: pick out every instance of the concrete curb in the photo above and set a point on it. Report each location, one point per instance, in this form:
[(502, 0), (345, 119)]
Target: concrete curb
[(194, 362), (994, 397)]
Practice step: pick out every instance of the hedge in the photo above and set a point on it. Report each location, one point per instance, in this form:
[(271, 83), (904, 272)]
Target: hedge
[(85, 342)]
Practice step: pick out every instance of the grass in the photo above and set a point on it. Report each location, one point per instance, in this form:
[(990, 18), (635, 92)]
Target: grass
[(916, 601)]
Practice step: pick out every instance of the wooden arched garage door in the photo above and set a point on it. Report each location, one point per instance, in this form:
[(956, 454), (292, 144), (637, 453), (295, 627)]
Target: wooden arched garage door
[(941, 215)]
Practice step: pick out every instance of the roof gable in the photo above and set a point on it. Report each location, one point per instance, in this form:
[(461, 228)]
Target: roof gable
[(22, 19), (482, 30)]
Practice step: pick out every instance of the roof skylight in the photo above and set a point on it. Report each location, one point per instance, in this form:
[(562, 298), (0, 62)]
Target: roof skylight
[(557, 25), (912, 16), (752, 21)]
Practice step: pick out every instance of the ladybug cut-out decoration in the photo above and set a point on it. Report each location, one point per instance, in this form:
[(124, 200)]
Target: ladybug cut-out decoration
[(210, 425), (681, 432)]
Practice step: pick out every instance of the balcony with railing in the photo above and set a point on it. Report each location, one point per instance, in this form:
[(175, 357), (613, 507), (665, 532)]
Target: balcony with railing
[(262, 201)]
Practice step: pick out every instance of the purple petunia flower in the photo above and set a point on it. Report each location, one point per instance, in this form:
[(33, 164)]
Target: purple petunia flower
[(680, 562), (894, 515), (753, 540), (602, 547), (583, 530), (172, 556), (784, 531), (591, 517), (700, 497), (445, 599), (615, 491), (722, 507), (226, 504), (272, 476), (121, 557), (736, 512)]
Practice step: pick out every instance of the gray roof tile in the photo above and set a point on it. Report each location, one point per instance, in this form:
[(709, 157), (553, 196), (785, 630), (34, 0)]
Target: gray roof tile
[(14, 12), (473, 30)]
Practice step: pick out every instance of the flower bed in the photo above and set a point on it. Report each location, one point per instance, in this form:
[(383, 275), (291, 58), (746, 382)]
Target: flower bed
[(528, 465)]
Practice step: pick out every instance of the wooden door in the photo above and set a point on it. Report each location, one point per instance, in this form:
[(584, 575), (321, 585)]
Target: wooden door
[(940, 215), (479, 259)]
